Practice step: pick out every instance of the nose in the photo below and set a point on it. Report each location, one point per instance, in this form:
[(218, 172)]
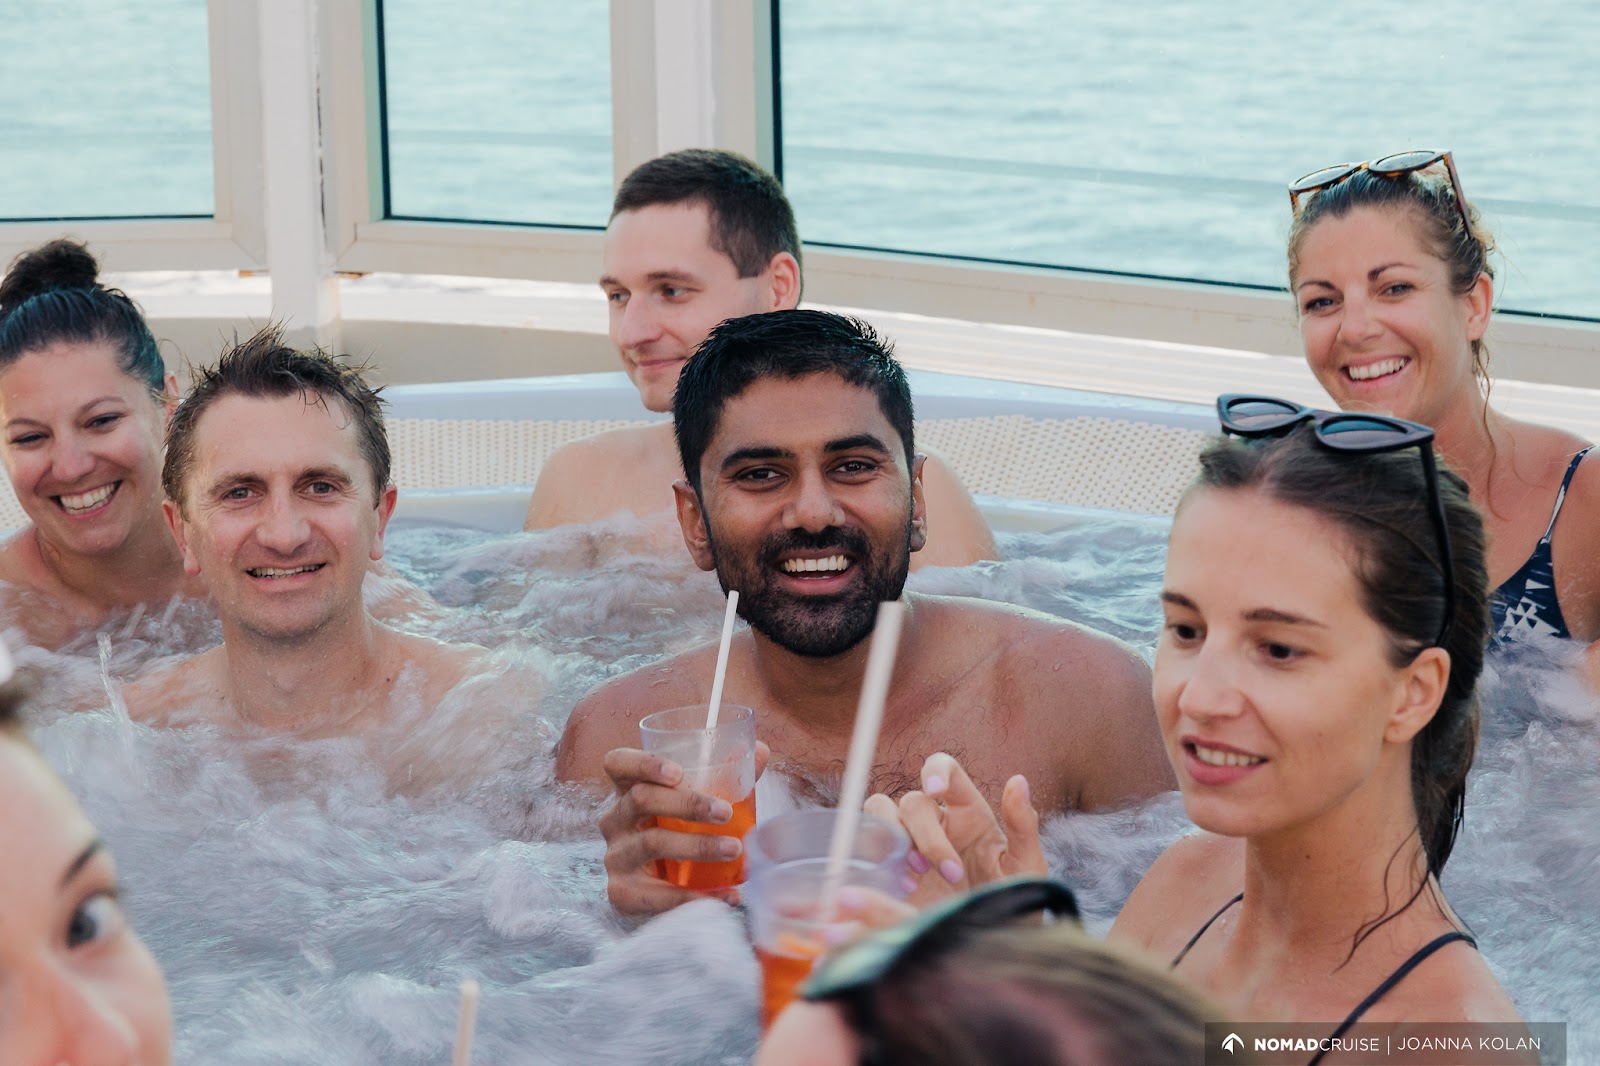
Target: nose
[(1357, 324), (69, 459), (1211, 687), (812, 505), (83, 1026), (635, 324), (283, 528)]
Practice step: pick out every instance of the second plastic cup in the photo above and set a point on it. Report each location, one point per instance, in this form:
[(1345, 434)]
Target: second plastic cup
[(718, 762), (788, 859)]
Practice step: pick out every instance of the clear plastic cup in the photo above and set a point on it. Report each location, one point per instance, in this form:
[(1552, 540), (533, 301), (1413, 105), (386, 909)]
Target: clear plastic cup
[(788, 859), (718, 762)]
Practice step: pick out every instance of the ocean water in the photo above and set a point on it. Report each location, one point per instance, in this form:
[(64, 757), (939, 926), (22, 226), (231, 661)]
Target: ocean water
[(306, 911), (1151, 138)]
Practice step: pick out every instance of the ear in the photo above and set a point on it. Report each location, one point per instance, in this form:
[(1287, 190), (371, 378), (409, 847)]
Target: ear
[(386, 504), (782, 279), (169, 399), (1422, 686), (180, 533), (692, 520), (919, 505), (1480, 304)]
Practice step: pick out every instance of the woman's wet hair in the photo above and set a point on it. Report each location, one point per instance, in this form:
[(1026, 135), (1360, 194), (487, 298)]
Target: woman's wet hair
[(1052, 996), (1382, 505), (52, 295), (1428, 198)]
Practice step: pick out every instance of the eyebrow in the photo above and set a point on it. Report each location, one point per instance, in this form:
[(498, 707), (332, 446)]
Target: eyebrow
[(1372, 275), (1257, 614), (654, 275), (758, 453), (81, 409), (755, 454), (860, 440), (95, 847)]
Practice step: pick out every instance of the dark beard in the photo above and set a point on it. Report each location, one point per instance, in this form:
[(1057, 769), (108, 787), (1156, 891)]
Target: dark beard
[(815, 626)]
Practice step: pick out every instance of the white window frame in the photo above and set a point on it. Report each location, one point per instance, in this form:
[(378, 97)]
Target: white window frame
[(684, 73)]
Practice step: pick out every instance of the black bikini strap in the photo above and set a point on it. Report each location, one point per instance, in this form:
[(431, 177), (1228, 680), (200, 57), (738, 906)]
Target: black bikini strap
[(1400, 974), (1209, 923), (1561, 493)]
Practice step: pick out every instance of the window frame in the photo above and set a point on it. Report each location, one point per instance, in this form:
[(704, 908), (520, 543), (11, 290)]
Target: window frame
[(719, 89)]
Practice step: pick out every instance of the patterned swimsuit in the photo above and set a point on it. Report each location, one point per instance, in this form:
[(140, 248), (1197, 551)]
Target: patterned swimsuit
[(1525, 604)]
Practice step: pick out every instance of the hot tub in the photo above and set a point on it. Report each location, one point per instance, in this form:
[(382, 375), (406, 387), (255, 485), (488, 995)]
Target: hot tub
[(305, 913)]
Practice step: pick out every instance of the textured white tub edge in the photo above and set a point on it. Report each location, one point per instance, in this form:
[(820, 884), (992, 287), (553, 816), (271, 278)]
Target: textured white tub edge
[(1036, 457)]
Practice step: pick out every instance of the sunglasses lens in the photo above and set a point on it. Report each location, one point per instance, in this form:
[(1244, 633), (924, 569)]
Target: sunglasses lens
[(1259, 414), (1401, 162), (1359, 433), (1318, 178)]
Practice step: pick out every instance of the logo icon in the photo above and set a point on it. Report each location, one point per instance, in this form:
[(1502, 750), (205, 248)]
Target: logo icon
[(1232, 1043)]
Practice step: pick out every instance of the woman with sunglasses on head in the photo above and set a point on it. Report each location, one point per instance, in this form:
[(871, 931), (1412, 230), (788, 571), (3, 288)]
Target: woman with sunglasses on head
[(77, 987), (1389, 267), (1325, 623), (84, 403), (964, 984), (1315, 683)]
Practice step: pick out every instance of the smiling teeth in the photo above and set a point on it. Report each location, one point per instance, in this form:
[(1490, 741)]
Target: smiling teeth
[(269, 571), (1213, 757), (1374, 370), (806, 566), (88, 501)]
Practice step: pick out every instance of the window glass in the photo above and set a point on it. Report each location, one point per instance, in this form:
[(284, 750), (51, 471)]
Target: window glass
[(1156, 138), (105, 109), (498, 112)]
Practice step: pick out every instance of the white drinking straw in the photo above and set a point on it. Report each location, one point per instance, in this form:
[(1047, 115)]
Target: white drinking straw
[(722, 659), (466, 1023), (863, 748)]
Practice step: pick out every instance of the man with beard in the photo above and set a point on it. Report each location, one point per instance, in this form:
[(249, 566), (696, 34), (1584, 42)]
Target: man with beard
[(804, 494)]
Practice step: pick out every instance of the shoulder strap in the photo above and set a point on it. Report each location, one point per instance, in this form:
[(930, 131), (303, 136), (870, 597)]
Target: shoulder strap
[(1400, 974), (1209, 923), (1561, 494)]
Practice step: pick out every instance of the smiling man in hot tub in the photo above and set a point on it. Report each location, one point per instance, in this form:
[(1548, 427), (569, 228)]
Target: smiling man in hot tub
[(807, 497), (277, 473), (696, 237)]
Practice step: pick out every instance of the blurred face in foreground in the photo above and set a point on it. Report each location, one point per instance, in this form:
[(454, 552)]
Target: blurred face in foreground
[(76, 985)]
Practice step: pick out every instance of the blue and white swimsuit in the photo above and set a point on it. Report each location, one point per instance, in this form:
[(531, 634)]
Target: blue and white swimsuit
[(1526, 604)]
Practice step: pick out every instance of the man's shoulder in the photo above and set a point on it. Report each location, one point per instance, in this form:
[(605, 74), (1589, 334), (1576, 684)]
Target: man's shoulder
[(608, 717), (610, 446), (1018, 630), (595, 477), (668, 682), (184, 684)]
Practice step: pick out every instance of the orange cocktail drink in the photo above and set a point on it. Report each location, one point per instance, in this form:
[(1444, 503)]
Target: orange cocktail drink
[(719, 762), (686, 873), (788, 867)]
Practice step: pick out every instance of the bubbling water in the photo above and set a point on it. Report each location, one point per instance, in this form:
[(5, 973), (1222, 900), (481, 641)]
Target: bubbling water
[(309, 908)]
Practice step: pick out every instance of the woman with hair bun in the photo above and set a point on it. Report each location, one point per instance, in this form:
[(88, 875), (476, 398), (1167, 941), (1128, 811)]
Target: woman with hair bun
[(84, 404), (1390, 269)]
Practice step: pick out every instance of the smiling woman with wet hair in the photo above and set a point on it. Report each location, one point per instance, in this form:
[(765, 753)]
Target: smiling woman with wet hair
[(84, 402), (76, 984)]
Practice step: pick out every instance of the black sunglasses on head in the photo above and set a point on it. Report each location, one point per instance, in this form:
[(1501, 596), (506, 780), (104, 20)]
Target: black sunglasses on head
[(1389, 166), (1252, 417), (851, 975)]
